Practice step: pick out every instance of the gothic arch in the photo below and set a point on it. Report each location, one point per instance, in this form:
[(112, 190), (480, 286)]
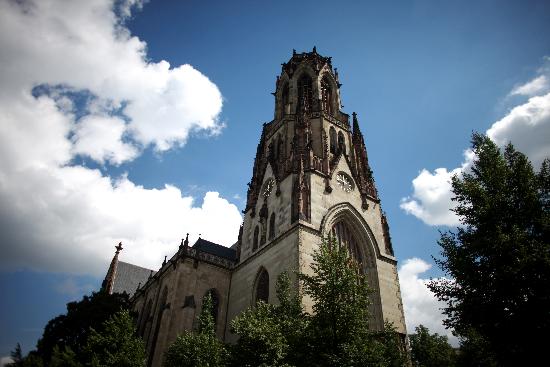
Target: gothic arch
[(145, 316), (255, 239), (341, 143), (327, 98), (161, 307), (271, 227), (346, 213), (305, 91), (261, 286), (332, 140)]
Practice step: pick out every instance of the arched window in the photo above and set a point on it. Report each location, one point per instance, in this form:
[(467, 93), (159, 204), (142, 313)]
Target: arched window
[(146, 314), (262, 287), (305, 93), (284, 99), (279, 146), (344, 237), (332, 138), (272, 226), (162, 306), (215, 304), (326, 95), (255, 242), (341, 143)]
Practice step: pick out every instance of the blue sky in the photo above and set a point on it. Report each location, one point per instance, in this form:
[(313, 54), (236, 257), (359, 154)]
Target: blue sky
[(87, 155)]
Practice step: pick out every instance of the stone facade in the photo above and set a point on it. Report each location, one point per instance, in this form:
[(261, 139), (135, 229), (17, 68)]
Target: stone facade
[(311, 178)]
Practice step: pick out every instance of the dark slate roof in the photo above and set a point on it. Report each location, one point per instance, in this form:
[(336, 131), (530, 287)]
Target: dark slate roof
[(215, 249), (128, 276)]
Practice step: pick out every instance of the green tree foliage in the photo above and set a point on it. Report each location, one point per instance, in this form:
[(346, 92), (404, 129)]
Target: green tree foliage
[(499, 259), (64, 358), (431, 350), (271, 335), (338, 329), (200, 349), (16, 356), (117, 344), (72, 329)]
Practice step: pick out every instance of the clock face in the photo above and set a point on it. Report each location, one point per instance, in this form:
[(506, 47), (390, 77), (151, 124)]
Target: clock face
[(268, 187), (344, 181)]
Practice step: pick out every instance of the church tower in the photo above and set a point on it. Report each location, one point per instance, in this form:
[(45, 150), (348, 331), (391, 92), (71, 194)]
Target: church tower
[(311, 178)]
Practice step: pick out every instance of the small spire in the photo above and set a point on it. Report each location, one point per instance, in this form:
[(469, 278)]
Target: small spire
[(314, 49), (186, 242), (355, 124), (109, 280), (151, 274), (164, 262), (293, 52)]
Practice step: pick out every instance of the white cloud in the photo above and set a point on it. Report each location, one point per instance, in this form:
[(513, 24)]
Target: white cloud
[(527, 126), (58, 216), (538, 85), (5, 361), (419, 303), (100, 138), (83, 46)]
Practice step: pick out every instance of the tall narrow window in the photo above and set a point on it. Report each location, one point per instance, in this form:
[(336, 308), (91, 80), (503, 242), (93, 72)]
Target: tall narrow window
[(332, 138), (341, 143), (284, 100), (279, 147), (262, 287), (326, 95), (272, 226), (255, 242), (215, 304), (146, 314), (305, 93), (344, 237)]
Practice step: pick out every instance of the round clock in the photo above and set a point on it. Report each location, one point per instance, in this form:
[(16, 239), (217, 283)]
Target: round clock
[(344, 182), (268, 187)]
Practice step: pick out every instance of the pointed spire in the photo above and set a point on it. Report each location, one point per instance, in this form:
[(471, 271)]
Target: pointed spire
[(109, 280), (355, 123), (357, 136), (314, 49), (186, 242), (164, 262)]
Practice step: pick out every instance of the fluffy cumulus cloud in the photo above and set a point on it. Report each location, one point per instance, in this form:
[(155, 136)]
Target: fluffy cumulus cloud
[(74, 81), (527, 126), (419, 303)]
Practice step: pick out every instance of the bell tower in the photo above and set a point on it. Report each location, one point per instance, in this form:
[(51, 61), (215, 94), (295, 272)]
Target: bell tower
[(311, 177)]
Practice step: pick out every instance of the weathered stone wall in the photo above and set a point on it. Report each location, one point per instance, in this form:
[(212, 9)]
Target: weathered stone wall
[(277, 256), (181, 278)]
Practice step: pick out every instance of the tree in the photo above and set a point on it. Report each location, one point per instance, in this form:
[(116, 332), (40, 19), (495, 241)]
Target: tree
[(498, 260), (339, 330), (271, 335), (200, 349), (431, 350), (16, 356), (72, 329), (117, 344)]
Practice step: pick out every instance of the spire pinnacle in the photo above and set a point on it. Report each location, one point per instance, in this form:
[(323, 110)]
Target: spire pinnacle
[(109, 280)]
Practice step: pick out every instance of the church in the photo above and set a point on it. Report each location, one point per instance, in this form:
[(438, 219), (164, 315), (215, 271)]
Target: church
[(311, 178)]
